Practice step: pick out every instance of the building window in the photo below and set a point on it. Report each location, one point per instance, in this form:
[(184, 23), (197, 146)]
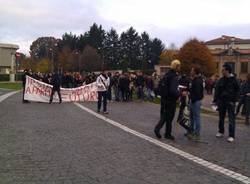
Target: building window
[(244, 67)]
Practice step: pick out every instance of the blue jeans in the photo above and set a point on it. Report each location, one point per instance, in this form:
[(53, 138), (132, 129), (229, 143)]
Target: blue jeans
[(195, 118)]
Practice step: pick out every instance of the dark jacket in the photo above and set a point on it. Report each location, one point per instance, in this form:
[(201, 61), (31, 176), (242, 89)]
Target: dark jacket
[(226, 90), (244, 90), (169, 86), (196, 89), (124, 83), (56, 82), (150, 84), (140, 81), (24, 77)]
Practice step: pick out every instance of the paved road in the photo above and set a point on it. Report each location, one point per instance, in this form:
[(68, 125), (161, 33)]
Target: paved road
[(42, 143), (4, 91)]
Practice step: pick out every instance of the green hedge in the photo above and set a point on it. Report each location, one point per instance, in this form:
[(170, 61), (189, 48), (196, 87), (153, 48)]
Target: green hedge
[(6, 77)]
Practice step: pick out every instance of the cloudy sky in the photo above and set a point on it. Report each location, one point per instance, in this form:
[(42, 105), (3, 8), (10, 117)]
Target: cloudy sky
[(173, 21)]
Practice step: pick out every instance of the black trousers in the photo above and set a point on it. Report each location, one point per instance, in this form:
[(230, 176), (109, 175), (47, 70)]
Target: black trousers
[(125, 94), (23, 92), (109, 94), (53, 92), (102, 95), (225, 107), (168, 108)]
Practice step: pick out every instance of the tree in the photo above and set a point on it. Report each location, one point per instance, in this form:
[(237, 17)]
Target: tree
[(156, 50), (111, 50), (27, 63), (43, 46), (69, 40), (90, 60), (81, 42), (129, 48), (65, 59), (167, 56), (43, 66), (95, 36), (196, 53)]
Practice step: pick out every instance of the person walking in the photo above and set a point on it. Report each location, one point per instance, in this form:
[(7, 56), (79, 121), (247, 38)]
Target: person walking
[(226, 94), (196, 95), (169, 94), (102, 83), (56, 82)]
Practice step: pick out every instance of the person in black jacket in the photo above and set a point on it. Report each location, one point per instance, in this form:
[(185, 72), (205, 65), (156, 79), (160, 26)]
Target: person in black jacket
[(196, 95), (169, 95), (26, 73), (140, 82), (56, 87), (245, 99), (226, 94)]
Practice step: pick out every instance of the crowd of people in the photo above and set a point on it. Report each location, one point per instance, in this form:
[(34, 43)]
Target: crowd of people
[(122, 86), (227, 92), (172, 87)]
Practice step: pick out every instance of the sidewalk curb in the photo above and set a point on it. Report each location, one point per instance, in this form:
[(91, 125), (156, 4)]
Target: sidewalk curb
[(5, 96)]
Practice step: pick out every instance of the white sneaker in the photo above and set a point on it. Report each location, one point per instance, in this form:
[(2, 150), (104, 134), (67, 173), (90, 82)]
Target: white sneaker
[(219, 135), (230, 139)]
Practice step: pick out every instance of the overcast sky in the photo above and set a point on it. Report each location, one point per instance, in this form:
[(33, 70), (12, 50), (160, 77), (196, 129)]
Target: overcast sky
[(173, 21)]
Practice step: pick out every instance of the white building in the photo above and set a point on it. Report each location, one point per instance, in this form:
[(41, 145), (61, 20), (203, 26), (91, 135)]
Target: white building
[(231, 50), (7, 58)]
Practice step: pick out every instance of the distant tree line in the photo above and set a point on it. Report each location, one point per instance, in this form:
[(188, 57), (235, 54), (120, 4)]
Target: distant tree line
[(94, 50), (98, 49)]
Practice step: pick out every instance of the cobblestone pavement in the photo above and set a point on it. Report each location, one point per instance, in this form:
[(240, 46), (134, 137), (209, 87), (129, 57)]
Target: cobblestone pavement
[(143, 118), (60, 143), (207, 100)]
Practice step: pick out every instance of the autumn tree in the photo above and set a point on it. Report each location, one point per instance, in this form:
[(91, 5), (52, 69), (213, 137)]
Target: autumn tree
[(27, 63), (196, 53), (90, 60), (65, 59), (43, 66), (167, 56), (43, 47)]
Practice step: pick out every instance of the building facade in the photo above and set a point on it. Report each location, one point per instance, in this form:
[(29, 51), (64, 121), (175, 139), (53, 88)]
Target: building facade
[(231, 50), (7, 58), (161, 69)]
